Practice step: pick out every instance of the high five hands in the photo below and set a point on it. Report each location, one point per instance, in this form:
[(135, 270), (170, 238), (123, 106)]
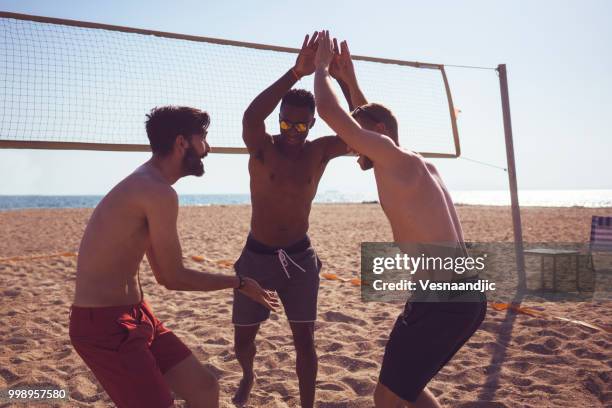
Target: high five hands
[(325, 51), (320, 50), (304, 64), (341, 67)]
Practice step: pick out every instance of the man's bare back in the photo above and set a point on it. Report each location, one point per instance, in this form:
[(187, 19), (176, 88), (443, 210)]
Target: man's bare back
[(416, 201)]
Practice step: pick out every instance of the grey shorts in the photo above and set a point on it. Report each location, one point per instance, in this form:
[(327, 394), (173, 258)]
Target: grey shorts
[(293, 272)]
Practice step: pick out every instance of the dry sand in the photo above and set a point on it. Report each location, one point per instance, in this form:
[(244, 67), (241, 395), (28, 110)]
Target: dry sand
[(512, 361)]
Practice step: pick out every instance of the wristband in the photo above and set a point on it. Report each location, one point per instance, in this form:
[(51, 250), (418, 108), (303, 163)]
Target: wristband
[(240, 282)]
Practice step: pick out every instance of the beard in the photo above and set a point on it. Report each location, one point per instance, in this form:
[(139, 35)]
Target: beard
[(192, 163)]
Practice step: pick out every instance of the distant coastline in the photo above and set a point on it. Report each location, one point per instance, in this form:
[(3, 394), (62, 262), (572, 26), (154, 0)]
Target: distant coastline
[(527, 198)]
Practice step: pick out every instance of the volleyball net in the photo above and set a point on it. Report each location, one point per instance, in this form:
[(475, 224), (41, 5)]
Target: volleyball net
[(68, 84)]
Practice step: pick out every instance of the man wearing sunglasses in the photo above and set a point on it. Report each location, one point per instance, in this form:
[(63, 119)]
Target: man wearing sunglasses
[(285, 170), (420, 210)]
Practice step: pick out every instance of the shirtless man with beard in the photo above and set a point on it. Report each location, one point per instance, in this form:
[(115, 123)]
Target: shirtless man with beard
[(136, 359)]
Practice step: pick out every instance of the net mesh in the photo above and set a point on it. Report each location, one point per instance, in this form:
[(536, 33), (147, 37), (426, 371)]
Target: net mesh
[(65, 83)]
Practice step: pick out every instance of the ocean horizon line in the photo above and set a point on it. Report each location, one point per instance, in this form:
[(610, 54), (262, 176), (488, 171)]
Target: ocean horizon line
[(321, 192), (592, 198)]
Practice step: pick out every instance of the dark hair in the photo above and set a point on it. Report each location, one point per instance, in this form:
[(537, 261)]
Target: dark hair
[(165, 123), (299, 97), (379, 113)]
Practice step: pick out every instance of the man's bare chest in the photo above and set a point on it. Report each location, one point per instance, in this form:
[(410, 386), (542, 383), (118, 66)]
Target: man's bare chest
[(302, 173)]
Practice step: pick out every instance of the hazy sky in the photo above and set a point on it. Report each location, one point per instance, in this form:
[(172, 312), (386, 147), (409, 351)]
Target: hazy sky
[(557, 53)]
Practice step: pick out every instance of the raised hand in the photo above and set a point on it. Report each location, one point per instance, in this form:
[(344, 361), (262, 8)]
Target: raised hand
[(304, 64), (325, 51), (341, 67), (252, 289), (333, 66)]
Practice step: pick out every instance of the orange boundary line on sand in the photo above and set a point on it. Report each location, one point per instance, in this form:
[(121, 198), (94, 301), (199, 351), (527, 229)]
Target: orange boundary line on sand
[(224, 263), (354, 281), (536, 313), (42, 256)]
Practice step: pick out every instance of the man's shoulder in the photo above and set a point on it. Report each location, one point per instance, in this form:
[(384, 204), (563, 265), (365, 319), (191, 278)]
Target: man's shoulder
[(145, 185), (256, 138), (430, 166), (315, 150), (260, 150), (321, 143), (412, 157), (407, 164)]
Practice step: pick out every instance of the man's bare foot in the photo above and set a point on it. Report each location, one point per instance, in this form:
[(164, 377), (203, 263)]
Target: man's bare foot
[(244, 390)]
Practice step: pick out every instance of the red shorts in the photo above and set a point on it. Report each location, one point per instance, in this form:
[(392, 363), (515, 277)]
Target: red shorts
[(128, 350)]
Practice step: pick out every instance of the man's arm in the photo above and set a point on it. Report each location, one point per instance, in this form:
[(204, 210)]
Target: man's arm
[(331, 147), (345, 91), (166, 254), (377, 147), (342, 69), (253, 126), (166, 260)]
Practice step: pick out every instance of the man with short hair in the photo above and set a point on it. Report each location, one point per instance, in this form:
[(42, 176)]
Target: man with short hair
[(285, 170), (420, 210), (133, 355)]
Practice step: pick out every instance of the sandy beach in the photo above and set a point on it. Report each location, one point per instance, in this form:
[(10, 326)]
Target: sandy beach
[(513, 360)]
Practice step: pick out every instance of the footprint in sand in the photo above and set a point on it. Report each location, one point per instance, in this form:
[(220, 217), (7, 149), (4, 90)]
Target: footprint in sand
[(8, 375), (552, 333), (539, 349), (332, 316), (519, 366), (468, 387), (83, 389), (585, 353), (361, 386), (521, 382), (219, 341), (11, 293), (544, 388), (17, 340), (65, 352), (281, 356), (217, 372), (550, 377), (348, 363), (552, 343), (479, 404), (594, 386), (333, 347), (330, 386), (328, 369)]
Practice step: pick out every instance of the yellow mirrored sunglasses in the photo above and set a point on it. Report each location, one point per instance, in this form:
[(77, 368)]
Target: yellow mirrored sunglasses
[(300, 126)]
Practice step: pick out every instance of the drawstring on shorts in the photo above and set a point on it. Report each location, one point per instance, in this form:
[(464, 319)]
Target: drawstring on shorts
[(282, 258)]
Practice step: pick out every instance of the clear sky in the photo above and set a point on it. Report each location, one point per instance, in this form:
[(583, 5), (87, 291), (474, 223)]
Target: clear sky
[(557, 53)]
